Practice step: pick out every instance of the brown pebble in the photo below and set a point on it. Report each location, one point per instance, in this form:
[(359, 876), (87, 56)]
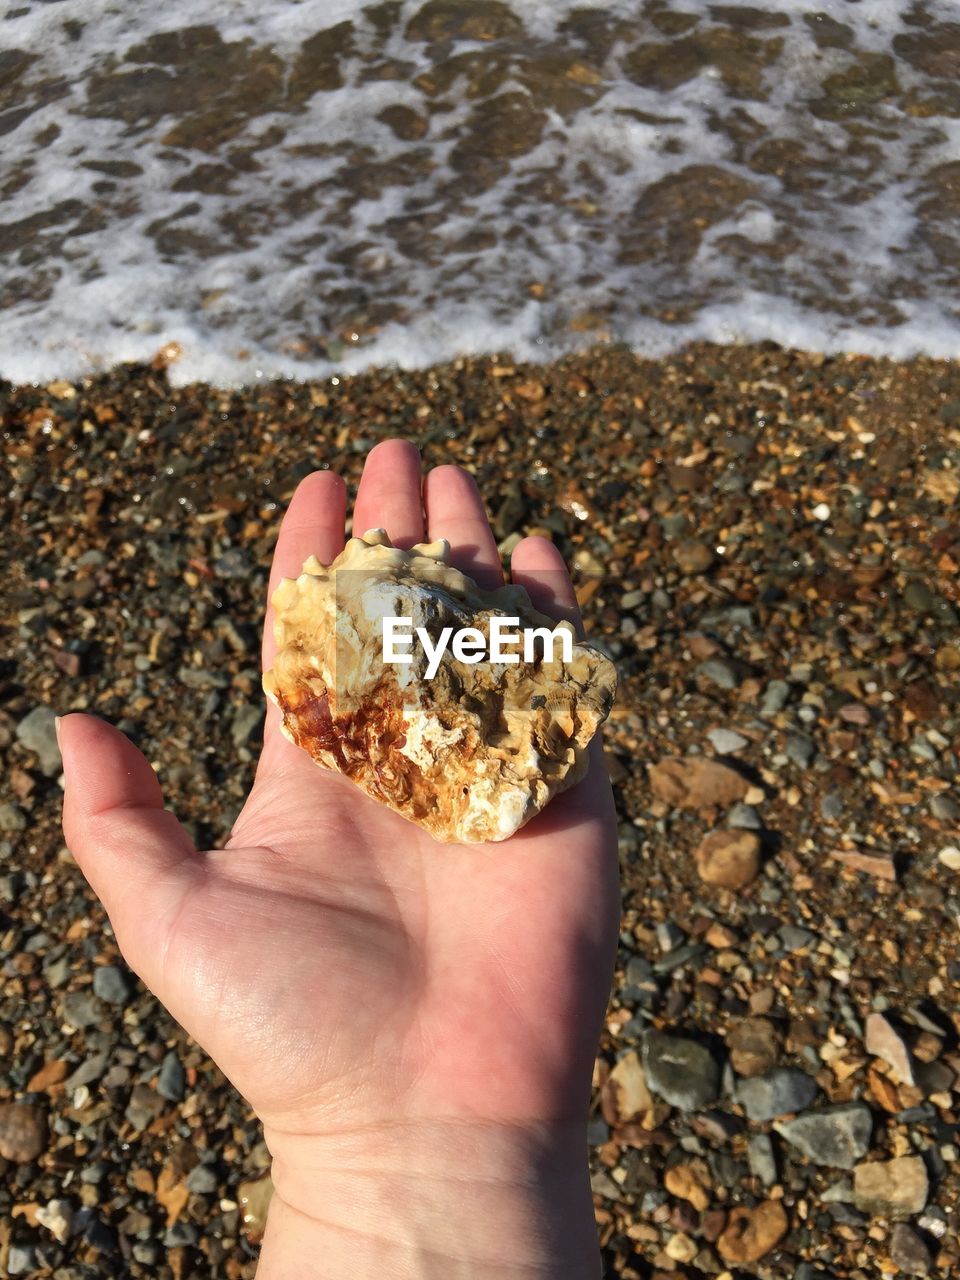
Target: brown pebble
[(874, 864), (693, 557), (696, 783), (729, 858), (23, 1131), (754, 1046), (752, 1233), (891, 1187)]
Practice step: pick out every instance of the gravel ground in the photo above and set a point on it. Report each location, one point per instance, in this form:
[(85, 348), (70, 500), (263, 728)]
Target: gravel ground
[(768, 544)]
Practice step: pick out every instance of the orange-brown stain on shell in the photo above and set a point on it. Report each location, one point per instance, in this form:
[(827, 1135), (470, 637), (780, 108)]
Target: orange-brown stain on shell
[(386, 772)]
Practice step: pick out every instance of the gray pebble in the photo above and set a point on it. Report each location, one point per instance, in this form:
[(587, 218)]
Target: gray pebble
[(172, 1081), (794, 939), (682, 1072), (774, 698), (835, 1136), (81, 1009), (37, 733), (800, 750), (945, 809), (726, 742), (838, 1192), (21, 1260), (776, 1092), (203, 1181), (12, 817), (720, 671), (763, 1164), (630, 599), (744, 817), (88, 1071), (110, 984), (180, 1233), (246, 724), (669, 936), (831, 806)]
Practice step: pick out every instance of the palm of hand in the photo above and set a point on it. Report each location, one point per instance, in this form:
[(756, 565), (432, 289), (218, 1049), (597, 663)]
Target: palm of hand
[(339, 964)]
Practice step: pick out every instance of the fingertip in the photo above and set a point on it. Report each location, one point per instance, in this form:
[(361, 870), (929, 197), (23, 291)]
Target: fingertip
[(538, 566)]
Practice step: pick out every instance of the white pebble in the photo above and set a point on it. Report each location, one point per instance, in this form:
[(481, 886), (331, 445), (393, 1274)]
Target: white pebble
[(950, 857), (821, 511)]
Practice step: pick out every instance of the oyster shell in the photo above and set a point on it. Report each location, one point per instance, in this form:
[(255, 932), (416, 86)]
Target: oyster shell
[(471, 754)]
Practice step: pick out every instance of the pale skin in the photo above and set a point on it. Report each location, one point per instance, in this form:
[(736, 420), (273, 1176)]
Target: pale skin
[(415, 1024)]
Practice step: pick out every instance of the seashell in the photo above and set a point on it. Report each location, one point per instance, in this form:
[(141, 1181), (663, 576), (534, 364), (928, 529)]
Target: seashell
[(472, 753)]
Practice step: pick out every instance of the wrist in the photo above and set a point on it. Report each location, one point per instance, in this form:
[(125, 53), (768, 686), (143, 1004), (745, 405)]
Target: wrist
[(458, 1199)]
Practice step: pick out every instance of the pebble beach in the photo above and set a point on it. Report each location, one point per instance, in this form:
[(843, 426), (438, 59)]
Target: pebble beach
[(767, 543)]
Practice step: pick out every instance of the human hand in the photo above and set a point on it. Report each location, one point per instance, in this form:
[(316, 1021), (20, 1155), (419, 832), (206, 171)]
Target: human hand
[(415, 1024)]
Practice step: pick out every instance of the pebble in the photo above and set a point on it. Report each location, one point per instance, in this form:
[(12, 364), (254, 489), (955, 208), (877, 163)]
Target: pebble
[(23, 1131), (57, 1217), (693, 557), (729, 857), (782, 1090), (880, 865), (836, 1136), (744, 817), (692, 782), (721, 672), (800, 750), (681, 1071), (202, 1180), (12, 817), (760, 1157), (795, 939), (774, 699), (950, 857), (111, 984), (944, 809), (882, 1041), (750, 1234), (727, 742), (891, 1187), (246, 724), (669, 936), (172, 1080), (908, 1251), (625, 1095), (36, 731), (22, 1260), (831, 806), (689, 1181), (254, 1199), (753, 1045)]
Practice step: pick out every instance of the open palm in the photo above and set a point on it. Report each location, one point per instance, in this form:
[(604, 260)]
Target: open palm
[(338, 964)]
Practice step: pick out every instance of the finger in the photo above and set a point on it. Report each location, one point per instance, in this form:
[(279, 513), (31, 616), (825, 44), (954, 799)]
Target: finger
[(455, 511), (537, 565), (313, 524), (136, 856), (389, 496)]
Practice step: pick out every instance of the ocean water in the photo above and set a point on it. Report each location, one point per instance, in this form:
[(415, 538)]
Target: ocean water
[(284, 188)]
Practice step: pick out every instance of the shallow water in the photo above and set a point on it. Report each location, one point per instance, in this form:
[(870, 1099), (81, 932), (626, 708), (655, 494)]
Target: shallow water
[(296, 188)]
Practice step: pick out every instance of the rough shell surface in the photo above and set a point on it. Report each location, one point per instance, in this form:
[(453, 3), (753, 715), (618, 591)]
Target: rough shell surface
[(470, 755)]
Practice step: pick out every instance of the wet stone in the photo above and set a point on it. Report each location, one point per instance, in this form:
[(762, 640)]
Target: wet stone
[(36, 732), (800, 750), (760, 1156), (721, 672), (172, 1080), (782, 1090), (835, 1136), (909, 1251), (681, 1071), (12, 817), (774, 698), (744, 817), (23, 1131), (111, 984), (753, 1045), (726, 742)]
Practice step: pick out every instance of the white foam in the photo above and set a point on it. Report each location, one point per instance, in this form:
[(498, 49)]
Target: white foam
[(261, 305)]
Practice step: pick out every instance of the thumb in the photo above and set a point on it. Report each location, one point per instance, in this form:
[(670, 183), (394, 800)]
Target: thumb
[(135, 854)]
